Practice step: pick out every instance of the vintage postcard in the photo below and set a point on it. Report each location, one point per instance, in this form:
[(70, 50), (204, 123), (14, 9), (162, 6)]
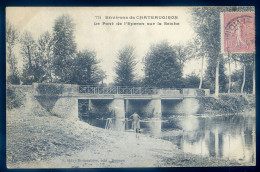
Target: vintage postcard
[(100, 87)]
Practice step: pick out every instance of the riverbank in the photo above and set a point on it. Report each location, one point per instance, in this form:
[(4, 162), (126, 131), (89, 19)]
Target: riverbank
[(227, 103), (36, 139)]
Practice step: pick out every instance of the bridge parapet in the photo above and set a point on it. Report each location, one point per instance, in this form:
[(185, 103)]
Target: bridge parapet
[(170, 92), (88, 90), (117, 90), (129, 91), (195, 92)]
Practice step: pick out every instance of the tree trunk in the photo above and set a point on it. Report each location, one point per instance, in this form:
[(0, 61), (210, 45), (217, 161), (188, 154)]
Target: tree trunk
[(229, 74), (254, 75), (29, 57), (244, 80), (217, 79), (201, 72)]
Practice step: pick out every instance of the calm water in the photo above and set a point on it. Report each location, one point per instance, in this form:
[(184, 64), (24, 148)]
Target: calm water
[(224, 136)]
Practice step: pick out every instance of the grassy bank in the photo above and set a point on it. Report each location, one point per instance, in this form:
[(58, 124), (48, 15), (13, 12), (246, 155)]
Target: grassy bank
[(233, 103), (36, 139)]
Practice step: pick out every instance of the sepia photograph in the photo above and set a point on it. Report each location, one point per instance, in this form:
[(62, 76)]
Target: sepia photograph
[(124, 87)]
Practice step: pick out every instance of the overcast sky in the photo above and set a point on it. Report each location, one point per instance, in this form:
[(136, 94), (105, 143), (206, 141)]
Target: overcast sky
[(106, 40)]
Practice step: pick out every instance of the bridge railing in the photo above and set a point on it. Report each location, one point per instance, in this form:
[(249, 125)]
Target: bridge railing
[(87, 89), (117, 90), (72, 90)]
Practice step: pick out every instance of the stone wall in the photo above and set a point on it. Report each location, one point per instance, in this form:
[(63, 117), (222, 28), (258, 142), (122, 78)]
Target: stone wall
[(118, 106), (154, 107), (22, 88), (169, 106), (187, 106), (66, 107)]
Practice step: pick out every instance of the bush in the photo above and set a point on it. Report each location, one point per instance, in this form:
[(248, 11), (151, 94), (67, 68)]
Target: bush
[(50, 89), (233, 103), (14, 98), (13, 79), (225, 103)]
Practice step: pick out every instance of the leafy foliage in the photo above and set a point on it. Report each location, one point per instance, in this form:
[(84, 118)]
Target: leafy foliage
[(191, 81), (237, 79), (125, 66), (64, 48), (33, 69), (206, 23), (86, 70), (161, 67), (225, 103), (211, 74), (45, 55), (184, 52), (14, 98), (11, 41)]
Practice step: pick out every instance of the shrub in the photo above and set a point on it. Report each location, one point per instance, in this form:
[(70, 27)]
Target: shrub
[(14, 98), (225, 103)]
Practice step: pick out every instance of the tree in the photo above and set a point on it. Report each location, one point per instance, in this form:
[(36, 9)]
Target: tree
[(191, 81), (161, 67), (64, 48), (247, 60), (240, 76), (45, 55), (32, 67), (206, 23), (198, 51), (125, 66), (183, 52), (211, 74), (85, 70), (11, 40)]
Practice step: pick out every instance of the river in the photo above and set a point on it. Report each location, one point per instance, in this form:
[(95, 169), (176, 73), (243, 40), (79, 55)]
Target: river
[(225, 136)]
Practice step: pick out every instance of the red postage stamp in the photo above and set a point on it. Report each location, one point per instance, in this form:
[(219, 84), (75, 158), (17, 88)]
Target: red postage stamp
[(238, 32)]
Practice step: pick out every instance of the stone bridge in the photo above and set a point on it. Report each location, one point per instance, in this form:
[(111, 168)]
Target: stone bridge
[(76, 99)]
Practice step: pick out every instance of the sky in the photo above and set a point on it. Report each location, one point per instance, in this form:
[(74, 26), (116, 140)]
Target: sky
[(107, 40)]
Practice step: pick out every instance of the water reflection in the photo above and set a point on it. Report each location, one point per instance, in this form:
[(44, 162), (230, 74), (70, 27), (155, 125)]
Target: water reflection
[(227, 136)]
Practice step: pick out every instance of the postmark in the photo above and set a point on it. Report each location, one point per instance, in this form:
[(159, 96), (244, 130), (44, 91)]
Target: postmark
[(238, 32)]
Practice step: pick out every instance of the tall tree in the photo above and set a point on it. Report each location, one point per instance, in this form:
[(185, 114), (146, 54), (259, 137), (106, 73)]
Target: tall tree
[(11, 41), (32, 67), (240, 76), (45, 55), (161, 67), (125, 66), (211, 75), (229, 73), (85, 70), (198, 51), (183, 52), (206, 23), (64, 48), (246, 60)]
